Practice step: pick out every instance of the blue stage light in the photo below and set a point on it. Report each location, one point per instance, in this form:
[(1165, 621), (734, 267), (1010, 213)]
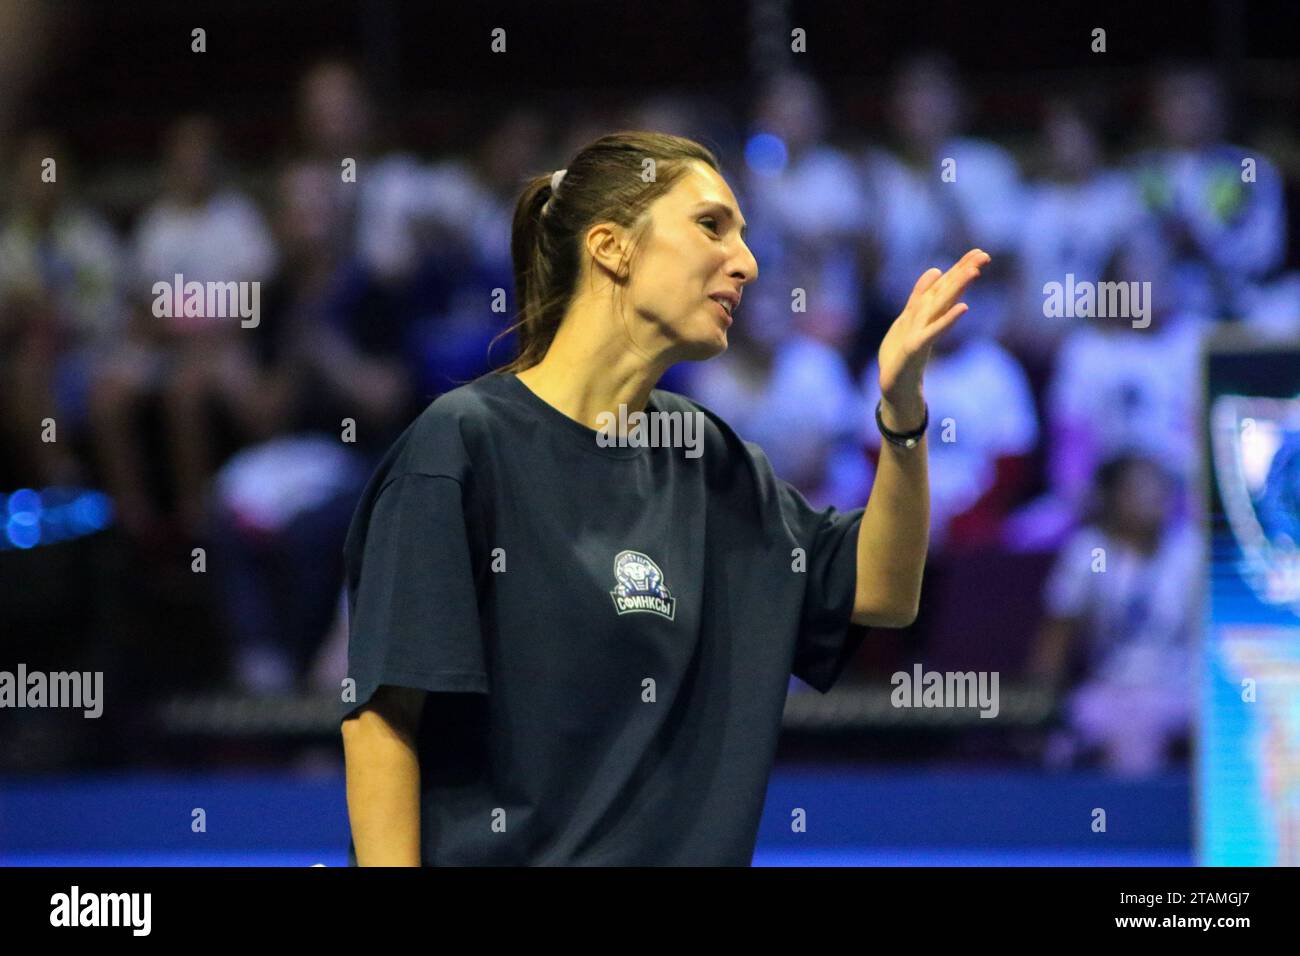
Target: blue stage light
[(22, 534), (766, 154), (25, 500), (52, 515)]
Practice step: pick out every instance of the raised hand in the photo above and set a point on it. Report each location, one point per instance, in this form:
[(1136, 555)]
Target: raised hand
[(930, 310)]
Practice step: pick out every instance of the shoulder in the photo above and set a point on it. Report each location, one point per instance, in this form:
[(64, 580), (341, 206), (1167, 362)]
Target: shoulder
[(1080, 346), (469, 404), (987, 156), (233, 204), (718, 435), (443, 438), (987, 353), (999, 366), (1077, 551), (727, 457)]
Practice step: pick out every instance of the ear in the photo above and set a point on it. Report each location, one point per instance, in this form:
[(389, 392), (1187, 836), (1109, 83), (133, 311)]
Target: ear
[(609, 246)]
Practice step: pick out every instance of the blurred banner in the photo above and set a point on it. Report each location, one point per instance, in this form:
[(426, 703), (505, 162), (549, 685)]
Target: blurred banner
[(1249, 755)]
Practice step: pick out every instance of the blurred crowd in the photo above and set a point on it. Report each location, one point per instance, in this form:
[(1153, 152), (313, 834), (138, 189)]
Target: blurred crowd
[(1054, 434)]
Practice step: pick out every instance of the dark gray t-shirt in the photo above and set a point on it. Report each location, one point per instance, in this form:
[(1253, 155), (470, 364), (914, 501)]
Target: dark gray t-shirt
[(608, 631)]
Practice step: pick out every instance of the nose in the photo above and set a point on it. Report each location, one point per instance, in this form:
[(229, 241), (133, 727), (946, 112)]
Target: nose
[(743, 267)]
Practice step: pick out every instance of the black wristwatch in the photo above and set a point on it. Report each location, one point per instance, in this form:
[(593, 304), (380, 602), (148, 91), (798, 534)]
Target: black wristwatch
[(903, 439)]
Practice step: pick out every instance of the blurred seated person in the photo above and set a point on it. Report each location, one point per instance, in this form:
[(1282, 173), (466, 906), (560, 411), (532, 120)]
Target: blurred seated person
[(334, 350), (1120, 382), (60, 305), (1116, 637), (935, 190), (1223, 220), (179, 350), (804, 195), (1077, 212)]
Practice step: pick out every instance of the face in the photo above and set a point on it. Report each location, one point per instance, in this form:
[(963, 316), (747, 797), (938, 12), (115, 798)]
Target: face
[(333, 109), (792, 109), (1071, 143), (694, 248), (1188, 108), (1142, 496), (191, 158), (925, 106)]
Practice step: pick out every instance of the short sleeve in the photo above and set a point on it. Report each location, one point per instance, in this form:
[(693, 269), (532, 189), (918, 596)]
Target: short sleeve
[(827, 637), (413, 612)]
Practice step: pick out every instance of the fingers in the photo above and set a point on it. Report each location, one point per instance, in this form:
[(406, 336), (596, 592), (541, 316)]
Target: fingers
[(954, 281), (966, 268), (940, 325), (928, 278), (937, 327)]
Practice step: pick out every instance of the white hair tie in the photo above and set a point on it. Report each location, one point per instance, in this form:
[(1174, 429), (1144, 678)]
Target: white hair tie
[(556, 177)]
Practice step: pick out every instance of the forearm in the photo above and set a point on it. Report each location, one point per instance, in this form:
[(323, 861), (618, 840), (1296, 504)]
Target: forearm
[(895, 532), (383, 791)]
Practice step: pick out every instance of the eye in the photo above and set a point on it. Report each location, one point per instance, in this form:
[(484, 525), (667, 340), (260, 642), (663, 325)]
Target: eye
[(713, 227)]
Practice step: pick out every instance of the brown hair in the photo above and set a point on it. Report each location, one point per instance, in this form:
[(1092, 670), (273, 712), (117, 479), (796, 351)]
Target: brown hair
[(605, 182)]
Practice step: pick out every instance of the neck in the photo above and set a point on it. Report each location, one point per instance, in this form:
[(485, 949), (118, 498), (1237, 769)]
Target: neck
[(590, 367)]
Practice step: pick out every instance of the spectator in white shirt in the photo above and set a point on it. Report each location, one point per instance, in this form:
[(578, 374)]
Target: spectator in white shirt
[(1221, 205), (1117, 387), (804, 197), (940, 192), (1076, 215), (200, 227), (1117, 612), (204, 231)]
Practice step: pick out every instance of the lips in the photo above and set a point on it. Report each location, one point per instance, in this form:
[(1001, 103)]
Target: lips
[(727, 297), (722, 311), (728, 301)]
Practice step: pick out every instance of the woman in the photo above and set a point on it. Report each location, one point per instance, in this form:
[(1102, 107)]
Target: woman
[(568, 646)]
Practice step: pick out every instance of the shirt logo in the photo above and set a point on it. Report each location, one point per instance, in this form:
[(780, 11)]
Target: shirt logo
[(641, 586)]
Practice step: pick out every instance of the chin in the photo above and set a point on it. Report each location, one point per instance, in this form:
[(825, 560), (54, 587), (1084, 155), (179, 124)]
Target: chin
[(695, 341), (699, 351)]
